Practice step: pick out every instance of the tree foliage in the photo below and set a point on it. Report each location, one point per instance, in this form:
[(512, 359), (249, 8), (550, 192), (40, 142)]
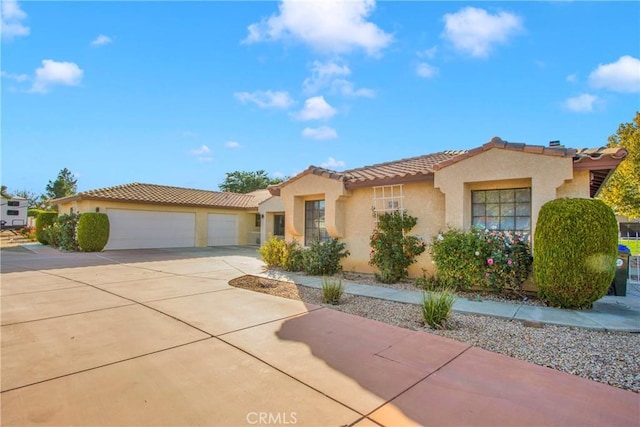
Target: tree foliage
[(32, 198), (64, 185), (4, 192), (622, 190), (246, 182)]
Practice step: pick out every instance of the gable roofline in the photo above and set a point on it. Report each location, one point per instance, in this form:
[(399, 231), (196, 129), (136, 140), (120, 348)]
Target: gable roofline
[(167, 195), (497, 142), (422, 168)]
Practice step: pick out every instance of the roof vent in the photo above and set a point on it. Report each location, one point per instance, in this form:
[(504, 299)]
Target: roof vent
[(554, 144)]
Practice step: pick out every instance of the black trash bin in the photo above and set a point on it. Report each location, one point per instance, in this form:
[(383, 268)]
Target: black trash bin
[(619, 284)]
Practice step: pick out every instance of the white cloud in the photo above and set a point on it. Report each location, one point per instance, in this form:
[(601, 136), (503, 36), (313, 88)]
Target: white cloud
[(266, 98), (322, 74), (101, 40), (581, 103), (425, 70), (326, 26), (428, 53), (199, 151), (620, 76), (53, 73), (346, 88), (572, 78), (315, 108), (331, 75), (11, 20), (332, 163), (202, 153), (232, 144), (322, 132), (15, 77), (475, 31)]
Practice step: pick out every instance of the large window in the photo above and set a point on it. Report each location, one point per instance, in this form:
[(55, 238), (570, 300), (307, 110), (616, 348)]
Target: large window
[(506, 210), (314, 230), (13, 203)]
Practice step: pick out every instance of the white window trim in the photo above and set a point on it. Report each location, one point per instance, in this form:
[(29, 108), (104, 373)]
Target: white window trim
[(388, 198)]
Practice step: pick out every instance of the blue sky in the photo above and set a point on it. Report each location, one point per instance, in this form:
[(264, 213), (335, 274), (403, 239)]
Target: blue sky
[(179, 93)]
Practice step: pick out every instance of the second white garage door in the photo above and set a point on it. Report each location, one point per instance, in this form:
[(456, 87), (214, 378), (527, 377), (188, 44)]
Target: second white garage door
[(222, 230), (133, 229)]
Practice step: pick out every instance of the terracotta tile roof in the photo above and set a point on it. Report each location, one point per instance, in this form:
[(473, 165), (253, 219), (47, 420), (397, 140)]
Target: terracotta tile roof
[(405, 168), (421, 167), (166, 195)]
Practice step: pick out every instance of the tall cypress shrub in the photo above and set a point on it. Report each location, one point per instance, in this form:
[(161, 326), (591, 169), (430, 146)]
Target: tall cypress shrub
[(575, 251)]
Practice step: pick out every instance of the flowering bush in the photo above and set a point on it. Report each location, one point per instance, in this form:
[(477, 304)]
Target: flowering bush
[(492, 259), (508, 259), (392, 249)]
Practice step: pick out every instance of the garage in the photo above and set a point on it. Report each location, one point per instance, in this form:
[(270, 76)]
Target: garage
[(137, 229), (222, 230)]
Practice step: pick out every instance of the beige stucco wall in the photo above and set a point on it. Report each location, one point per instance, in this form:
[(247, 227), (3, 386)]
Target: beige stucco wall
[(268, 209), (314, 187), (355, 221), (549, 177), (443, 202), (246, 219)]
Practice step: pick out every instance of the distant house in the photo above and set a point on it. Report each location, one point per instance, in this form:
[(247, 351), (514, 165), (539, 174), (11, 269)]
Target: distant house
[(13, 212), (499, 185), (159, 216)]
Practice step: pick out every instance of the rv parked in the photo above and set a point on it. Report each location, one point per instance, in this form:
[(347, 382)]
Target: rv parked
[(13, 212)]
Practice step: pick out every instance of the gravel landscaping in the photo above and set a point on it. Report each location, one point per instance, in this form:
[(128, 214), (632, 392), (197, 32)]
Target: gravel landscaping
[(606, 357)]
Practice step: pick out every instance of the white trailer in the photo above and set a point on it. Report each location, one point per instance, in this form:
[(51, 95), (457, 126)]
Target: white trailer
[(13, 212)]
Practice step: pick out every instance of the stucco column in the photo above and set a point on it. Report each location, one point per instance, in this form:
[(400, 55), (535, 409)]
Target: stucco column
[(334, 216), (454, 201)]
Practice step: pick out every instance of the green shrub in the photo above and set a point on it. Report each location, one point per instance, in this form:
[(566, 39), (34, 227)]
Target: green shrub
[(93, 231), (292, 256), (492, 259), (35, 212), (272, 252), (332, 291), (66, 232), (43, 220), (323, 259), (278, 253), (576, 243), (393, 250), (436, 308)]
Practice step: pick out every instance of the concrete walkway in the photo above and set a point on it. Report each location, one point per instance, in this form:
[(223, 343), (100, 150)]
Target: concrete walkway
[(158, 337), (610, 313)]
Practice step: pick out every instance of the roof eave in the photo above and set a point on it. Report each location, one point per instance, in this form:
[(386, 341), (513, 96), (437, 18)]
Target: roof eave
[(395, 180)]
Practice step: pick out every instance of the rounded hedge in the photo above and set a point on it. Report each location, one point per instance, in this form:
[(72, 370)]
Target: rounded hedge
[(44, 219), (93, 231), (576, 243)]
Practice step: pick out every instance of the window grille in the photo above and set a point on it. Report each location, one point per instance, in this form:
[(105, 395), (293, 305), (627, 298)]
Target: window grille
[(387, 199)]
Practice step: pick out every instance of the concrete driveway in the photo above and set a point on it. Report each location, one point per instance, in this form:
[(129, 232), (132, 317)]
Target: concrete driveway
[(158, 337)]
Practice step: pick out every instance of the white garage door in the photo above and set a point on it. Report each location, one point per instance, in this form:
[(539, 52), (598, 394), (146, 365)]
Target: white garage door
[(222, 230), (131, 229)]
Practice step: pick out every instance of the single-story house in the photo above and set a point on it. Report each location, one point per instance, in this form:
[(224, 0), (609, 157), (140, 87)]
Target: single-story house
[(159, 216), (500, 185)]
